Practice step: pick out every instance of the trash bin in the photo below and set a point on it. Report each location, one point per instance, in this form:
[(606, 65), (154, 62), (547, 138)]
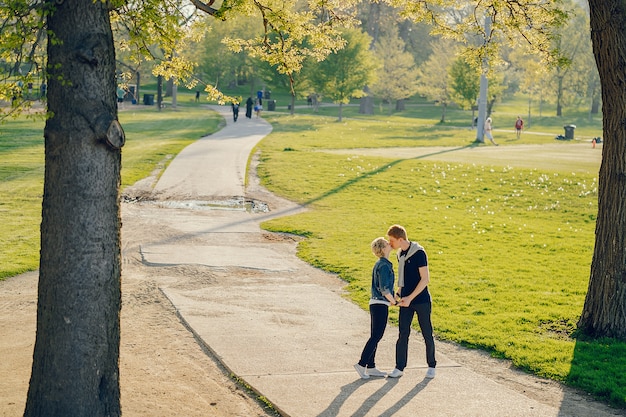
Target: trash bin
[(569, 131), (271, 105), (148, 99)]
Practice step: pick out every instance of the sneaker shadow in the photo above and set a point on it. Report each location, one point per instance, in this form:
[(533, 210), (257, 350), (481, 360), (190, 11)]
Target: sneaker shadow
[(347, 390), (406, 398)]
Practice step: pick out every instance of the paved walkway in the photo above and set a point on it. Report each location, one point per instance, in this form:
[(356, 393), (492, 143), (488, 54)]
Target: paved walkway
[(284, 327)]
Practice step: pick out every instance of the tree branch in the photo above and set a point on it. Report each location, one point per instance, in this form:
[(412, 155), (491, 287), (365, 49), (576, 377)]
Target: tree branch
[(205, 7)]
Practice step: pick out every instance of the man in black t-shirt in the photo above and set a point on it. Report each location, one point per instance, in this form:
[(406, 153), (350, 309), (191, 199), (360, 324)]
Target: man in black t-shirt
[(413, 280)]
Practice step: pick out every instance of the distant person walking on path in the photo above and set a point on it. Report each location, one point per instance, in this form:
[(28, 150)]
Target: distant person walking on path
[(413, 280), (249, 104), (235, 111), (382, 297), (197, 95), (488, 129), (519, 126)]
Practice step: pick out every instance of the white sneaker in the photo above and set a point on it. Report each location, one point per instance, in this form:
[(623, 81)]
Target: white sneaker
[(376, 372), (361, 371), (430, 373), (396, 373)]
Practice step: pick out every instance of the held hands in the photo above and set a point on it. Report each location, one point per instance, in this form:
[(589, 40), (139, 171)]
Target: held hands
[(403, 302)]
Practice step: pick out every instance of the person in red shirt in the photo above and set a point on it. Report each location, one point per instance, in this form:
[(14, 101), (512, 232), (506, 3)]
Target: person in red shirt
[(519, 126)]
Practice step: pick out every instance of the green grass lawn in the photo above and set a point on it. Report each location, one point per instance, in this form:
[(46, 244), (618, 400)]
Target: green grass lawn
[(152, 139), (21, 188), (509, 248)]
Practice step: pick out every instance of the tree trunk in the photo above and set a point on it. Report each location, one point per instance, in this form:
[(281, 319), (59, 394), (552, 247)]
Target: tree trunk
[(160, 92), (595, 97), (137, 90), (595, 106), (174, 96), (75, 361), (367, 103), (490, 105), (169, 87), (604, 312), (559, 97), (373, 22)]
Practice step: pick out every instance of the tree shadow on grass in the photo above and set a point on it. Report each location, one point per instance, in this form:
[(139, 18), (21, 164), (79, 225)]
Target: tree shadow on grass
[(369, 174), (599, 368)]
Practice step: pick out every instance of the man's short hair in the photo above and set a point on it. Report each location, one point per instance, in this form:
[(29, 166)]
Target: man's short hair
[(378, 246), (397, 231)]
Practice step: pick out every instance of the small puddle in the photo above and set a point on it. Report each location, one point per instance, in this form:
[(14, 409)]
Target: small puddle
[(235, 204)]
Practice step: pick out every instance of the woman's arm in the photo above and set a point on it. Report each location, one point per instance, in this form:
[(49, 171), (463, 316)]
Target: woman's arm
[(386, 283)]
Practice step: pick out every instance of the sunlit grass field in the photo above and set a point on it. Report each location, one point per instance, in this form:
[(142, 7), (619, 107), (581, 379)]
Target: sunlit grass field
[(152, 139), (509, 248)]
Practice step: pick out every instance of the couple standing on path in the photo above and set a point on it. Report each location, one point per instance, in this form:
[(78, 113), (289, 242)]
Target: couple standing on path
[(414, 298)]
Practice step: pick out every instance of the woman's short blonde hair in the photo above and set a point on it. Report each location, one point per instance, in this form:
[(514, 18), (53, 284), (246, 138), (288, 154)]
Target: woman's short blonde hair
[(378, 246)]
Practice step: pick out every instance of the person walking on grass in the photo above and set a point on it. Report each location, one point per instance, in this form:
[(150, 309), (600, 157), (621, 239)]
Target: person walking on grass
[(413, 280), (519, 126), (488, 130), (382, 297)]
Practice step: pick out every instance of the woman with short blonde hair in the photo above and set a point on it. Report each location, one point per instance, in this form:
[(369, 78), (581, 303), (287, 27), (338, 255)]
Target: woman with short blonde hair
[(378, 246), (382, 296)]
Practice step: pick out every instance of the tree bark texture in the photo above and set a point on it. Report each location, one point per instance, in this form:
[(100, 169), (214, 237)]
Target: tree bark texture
[(76, 356), (604, 312)]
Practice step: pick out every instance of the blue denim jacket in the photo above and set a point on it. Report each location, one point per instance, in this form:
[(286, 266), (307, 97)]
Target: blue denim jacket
[(382, 279)]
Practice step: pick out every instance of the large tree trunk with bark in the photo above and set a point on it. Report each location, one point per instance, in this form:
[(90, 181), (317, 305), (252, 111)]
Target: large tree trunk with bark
[(76, 356), (604, 312)]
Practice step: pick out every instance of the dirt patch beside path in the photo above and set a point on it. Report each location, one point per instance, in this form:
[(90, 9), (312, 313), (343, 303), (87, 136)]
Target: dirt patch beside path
[(164, 371)]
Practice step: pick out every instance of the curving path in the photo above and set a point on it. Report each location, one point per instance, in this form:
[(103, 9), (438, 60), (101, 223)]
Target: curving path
[(284, 327)]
